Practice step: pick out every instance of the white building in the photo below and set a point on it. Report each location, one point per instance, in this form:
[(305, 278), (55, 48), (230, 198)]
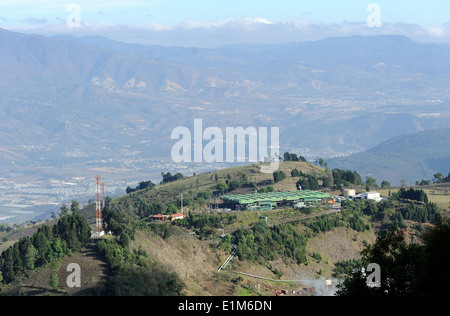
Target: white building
[(372, 196), (177, 216)]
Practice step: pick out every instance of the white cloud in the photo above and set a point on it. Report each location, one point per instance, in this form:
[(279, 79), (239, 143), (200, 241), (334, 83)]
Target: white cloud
[(156, 27), (436, 31), (35, 21), (190, 25), (229, 31), (258, 20)]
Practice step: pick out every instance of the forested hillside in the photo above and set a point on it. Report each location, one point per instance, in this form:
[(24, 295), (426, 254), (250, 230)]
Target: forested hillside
[(48, 245), (411, 157), (172, 258)]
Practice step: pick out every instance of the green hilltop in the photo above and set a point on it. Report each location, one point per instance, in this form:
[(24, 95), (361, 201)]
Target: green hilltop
[(201, 189)]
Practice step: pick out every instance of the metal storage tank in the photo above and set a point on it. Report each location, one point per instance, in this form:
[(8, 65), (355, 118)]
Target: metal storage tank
[(349, 193)]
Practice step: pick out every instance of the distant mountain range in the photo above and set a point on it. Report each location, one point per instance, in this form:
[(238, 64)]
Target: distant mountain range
[(410, 157), (92, 100)]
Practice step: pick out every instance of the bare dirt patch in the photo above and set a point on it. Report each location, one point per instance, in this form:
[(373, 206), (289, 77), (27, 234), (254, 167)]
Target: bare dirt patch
[(341, 244), (193, 260)]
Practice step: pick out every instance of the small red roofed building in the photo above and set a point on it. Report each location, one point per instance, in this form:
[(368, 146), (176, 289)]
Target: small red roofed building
[(177, 216), (158, 218)]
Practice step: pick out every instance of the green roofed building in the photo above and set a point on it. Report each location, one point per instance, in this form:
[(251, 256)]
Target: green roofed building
[(267, 201)]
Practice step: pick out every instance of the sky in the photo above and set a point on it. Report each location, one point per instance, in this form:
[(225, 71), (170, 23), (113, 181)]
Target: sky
[(216, 22)]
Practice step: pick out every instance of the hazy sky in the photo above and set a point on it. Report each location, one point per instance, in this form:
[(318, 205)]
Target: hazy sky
[(224, 21)]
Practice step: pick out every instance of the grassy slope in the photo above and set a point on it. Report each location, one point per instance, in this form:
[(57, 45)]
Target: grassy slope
[(171, 192)]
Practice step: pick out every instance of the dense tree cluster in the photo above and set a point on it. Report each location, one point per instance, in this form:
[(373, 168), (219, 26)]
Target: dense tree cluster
[(142, 186), (423, 182), (46, 246), (298, 173), (261, 243), (293, 157), (439, 178), (168, 177), (398, 212), (422, 214), (324, 223), (222, 188), (279, 176), (310, 181), (231, 184), (213, 221), (385, 184), (268, 189), (346, 178), (411, 194), (351, 216), (346, 267), (234, 185), (5, 228), (122, 225), (145, 209)]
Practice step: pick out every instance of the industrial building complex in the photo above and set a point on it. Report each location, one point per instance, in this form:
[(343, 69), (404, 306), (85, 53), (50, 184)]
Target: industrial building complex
[(269, 201)]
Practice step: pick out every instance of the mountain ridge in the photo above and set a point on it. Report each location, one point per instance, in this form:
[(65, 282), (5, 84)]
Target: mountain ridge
[(412, 157), (58, 96)]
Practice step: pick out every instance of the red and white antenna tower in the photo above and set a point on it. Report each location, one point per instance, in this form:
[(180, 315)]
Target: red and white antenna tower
[(103, 195), (98, 204)]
